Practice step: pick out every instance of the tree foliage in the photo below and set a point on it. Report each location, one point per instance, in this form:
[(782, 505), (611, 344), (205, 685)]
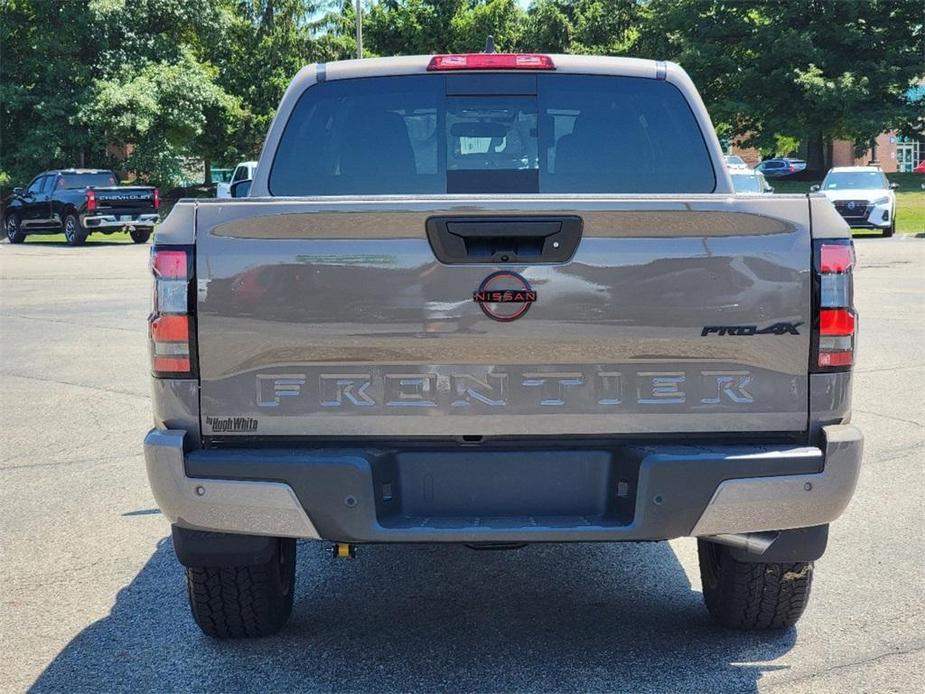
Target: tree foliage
[(164, 110), (183, 80), (410, 27), (47, 62), (814, 70)]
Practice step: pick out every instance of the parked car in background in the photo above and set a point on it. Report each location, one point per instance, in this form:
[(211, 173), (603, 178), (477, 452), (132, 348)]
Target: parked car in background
[(735, 163), (750, 182), (778, 168), (920, 169), (242, 172), (863, 196), (80, 202)]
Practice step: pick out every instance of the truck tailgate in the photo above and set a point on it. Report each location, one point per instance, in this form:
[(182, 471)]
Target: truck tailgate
[(334, 317), (125, 198)]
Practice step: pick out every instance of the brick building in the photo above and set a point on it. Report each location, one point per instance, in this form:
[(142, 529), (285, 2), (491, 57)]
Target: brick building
[(895, 152)]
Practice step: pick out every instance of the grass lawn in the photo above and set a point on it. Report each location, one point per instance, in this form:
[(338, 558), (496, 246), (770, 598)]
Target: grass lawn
[(115, 237), (910, 200)]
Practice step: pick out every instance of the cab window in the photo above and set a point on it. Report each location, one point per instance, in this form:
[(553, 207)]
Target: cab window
[(37, 184), (493, 133), (103, 179)]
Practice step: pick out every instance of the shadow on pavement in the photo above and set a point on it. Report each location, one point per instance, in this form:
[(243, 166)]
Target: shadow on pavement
[(90, 242), (554, 617)]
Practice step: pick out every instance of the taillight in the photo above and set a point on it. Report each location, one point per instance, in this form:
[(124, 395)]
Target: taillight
[(835, 320), (157, 198), (91, 201), (171, 327), (491, 61)]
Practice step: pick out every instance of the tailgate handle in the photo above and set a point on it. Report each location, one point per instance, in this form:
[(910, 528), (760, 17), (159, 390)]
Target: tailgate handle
[(504, 239)]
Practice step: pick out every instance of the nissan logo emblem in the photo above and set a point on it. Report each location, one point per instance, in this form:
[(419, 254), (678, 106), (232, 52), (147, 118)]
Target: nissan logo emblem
[(504, 296)]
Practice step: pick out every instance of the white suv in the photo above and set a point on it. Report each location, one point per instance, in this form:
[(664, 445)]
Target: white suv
[(863, 196)]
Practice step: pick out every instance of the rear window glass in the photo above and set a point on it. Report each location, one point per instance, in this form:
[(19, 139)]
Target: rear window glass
[(424, 134), (87, 180)]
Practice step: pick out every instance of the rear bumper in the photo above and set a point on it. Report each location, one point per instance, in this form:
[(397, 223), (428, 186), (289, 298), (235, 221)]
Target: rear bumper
[(112, 221), (544, 495)]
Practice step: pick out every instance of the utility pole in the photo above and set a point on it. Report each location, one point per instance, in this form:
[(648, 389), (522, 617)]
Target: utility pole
[(359, 30)]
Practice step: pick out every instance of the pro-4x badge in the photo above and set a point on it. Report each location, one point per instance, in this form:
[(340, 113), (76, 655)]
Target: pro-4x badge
[(747, 330), (504, 296)]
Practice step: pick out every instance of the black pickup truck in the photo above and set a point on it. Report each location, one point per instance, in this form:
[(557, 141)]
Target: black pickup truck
[(80, 202)]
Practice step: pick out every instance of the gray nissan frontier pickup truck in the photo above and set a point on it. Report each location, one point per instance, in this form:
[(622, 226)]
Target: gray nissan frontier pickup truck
[(499, 299)]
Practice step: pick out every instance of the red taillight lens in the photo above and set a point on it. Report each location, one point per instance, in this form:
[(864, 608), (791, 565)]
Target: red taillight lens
[(91, 201), (834, 258), (171, 323), (170, 329), (170, 339), (827, 359), (836, 320), (491, 61), (157, 199), (169, 264), (171, 365), (839, 321)]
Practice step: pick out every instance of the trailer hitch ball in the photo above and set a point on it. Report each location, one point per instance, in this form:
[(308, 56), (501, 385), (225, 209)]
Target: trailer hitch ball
[(343, 550)]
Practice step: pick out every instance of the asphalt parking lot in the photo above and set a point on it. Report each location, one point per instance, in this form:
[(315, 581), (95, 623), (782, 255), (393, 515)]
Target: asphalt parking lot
[(93, 599)]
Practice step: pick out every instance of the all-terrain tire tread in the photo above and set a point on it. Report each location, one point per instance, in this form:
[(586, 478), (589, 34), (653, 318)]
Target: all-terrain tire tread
[(239, 601), (746, 595)]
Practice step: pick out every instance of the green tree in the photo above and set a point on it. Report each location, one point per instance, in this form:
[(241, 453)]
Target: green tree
[(548, 27), (166, 111), (809, 69), (409, 27), (48, 56), (202, 78), (258, 46), (604, 27), (471, 26), (61, 56), (413, 27)]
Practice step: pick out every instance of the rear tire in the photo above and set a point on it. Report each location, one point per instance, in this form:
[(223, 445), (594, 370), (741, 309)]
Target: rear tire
[(74, 233), (752, 595), (244, 601), (14, 232), (140, 236)]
